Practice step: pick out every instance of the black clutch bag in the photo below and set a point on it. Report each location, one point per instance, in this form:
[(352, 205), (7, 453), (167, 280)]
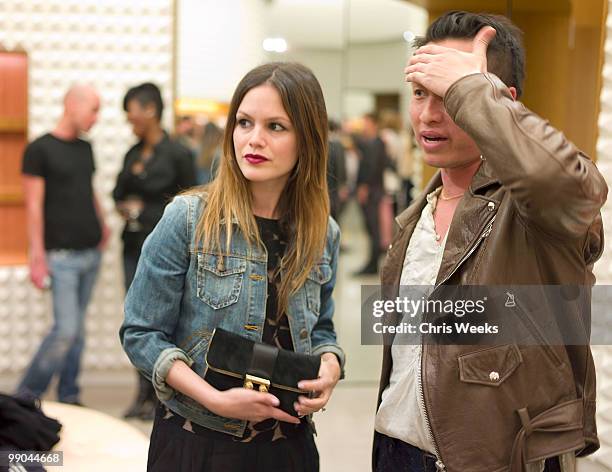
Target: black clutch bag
[(233, 361)]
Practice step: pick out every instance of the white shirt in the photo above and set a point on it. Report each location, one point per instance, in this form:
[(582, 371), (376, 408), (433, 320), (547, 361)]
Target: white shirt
[(401, 414)]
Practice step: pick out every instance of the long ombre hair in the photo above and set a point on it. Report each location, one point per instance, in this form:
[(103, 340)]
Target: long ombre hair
[(304, 203)]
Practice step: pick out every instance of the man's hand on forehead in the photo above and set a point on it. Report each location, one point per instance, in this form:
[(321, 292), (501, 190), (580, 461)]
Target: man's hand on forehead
[(437, 67)]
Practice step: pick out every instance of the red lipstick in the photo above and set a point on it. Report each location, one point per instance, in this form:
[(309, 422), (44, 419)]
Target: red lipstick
[(255, 158)]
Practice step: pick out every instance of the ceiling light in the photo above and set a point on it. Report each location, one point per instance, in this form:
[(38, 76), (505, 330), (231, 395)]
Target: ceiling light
[(409, 36), (275, 44)]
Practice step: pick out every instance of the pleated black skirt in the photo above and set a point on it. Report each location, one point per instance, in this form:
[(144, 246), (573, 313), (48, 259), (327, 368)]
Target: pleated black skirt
[(173, 448)]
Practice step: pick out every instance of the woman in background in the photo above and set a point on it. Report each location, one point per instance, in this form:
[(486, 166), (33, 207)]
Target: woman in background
[(154, 170)]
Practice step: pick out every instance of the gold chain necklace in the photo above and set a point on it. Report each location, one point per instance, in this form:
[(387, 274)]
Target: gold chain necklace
[(452, 197)]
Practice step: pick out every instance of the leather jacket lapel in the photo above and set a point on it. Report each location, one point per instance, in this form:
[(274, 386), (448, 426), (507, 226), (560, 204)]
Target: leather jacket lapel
[(470, 223)]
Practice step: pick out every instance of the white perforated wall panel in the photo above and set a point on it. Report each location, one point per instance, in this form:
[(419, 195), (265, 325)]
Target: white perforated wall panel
[(113, 44), (603, 269)]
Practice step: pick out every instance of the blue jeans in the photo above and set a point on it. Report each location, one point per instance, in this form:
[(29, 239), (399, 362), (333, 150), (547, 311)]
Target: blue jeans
[(73, 275)]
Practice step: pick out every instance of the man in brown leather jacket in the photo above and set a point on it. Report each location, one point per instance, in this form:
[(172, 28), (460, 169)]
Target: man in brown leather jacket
[(514, 203)]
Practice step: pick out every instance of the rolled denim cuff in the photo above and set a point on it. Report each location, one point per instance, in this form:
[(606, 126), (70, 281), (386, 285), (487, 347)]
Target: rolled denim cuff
[(334, 349), (162, 367)]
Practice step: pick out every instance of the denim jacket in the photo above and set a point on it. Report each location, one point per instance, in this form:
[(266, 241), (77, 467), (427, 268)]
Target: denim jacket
[(181, 293)]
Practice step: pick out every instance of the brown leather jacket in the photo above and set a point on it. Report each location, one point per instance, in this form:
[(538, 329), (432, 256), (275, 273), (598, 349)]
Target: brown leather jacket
[(531, 216)]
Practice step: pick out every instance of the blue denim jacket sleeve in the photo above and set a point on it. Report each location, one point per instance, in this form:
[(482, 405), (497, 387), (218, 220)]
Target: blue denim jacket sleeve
[(152, 305), (323, 334)]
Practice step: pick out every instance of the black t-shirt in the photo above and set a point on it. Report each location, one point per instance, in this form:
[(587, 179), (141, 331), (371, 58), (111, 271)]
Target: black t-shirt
[(67, 167)]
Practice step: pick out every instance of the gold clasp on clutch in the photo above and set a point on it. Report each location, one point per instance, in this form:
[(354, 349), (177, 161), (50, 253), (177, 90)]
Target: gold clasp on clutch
[(250, 381)]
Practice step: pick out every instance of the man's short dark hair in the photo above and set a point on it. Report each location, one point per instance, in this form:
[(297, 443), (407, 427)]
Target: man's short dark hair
[(333, 125), (505, 54), (145, 94)]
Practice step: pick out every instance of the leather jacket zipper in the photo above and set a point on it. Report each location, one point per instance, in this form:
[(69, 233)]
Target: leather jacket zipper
[(483, 235), (439, 464)]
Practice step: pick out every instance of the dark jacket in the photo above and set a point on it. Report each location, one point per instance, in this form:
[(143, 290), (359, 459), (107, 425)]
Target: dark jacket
[(374, 160), (167, 172), (531, 216)]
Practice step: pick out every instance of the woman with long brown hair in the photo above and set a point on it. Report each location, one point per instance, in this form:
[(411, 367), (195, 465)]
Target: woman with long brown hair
[(254, 253)]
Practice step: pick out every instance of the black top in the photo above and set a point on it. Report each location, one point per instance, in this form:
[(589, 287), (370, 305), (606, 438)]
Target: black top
[(336, 167), (69, 213), (276, 327), (169, 170), (374, 160)]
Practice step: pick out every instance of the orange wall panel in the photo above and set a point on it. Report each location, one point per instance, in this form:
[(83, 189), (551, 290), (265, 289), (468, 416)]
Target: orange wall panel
[(13, 234), (13, 85), (13, 139), (12, 146)]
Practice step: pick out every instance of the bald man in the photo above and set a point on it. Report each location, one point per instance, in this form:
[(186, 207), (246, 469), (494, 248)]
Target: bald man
[(66, 235)]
